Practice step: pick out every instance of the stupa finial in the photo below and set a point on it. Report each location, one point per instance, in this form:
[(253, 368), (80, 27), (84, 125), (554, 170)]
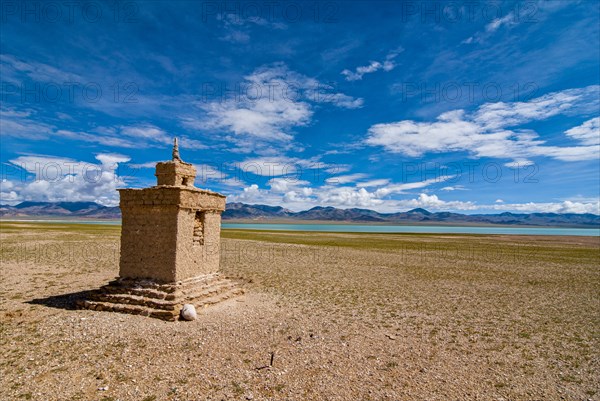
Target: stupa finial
[(176, 150)]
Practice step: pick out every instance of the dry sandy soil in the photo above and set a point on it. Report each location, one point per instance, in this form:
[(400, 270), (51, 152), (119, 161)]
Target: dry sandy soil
[(341, 317)]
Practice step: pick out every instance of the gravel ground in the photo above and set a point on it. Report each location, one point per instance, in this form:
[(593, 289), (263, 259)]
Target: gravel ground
[(347, 317)]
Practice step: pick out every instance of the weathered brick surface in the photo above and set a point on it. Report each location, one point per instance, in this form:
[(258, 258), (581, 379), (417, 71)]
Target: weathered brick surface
[(170, 248), (170, 232), (175, 173)]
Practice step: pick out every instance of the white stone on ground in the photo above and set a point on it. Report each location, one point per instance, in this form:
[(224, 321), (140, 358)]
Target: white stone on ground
[(188, 312)]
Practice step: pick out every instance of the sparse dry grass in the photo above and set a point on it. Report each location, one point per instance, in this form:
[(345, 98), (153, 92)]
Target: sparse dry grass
[(349, 316)]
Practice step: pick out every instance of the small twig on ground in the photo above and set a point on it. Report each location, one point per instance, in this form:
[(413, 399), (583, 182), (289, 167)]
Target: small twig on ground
[(270, 363)]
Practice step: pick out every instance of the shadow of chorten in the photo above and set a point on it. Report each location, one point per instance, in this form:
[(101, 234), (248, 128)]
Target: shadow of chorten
[(64, 301)]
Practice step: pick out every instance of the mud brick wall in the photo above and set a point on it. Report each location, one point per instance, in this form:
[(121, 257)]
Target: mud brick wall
[(193, 258), (157, 238), (148, 242), (175, 174)]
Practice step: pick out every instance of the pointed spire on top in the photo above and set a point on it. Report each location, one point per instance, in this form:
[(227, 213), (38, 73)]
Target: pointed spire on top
[(176, 150)]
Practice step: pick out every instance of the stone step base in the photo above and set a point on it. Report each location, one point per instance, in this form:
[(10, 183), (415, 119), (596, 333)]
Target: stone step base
[(162, 301)]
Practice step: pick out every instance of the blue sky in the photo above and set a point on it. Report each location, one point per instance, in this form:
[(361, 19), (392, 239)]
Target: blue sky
[(475, 107)]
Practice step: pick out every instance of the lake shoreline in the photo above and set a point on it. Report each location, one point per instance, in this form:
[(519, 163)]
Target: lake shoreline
[(361, 228)]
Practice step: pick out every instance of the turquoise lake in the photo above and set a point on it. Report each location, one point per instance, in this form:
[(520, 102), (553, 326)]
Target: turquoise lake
[(365, 228)]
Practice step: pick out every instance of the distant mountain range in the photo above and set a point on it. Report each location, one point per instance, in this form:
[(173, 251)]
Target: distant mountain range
[(90, 210), (242, 211)]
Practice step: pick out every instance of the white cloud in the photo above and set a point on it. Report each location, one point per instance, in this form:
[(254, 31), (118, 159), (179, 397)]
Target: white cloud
[(261, 119), (145, 135), (498, 22), (348, 197), (454, 188), (275, 166), (143, 165), (345, 179), (403, 187), (213, 174), (42, 165), (519, 163), (562, 207), (235, 36), (58, 179), (486, 133), (250, 192), (111, 159), (297, 195), (271, 102), (338, 168), (373, 183), (286, 185), (360, 71), (587, 133), (490, 28), (34, 70), (387, 65), (509, 114), (19, 124), (432, 202), (25, 124), (384, 197), (237, 26)]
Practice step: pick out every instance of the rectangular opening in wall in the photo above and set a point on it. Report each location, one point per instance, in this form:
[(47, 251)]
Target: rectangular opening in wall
[(198, 236)]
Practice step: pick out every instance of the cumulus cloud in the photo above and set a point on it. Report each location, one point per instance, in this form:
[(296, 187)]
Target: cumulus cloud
[(55, 179), (298, 195), (284, 185), (349, 197), (271, 102), (551, 207), (487, 132), (391, 197), (432, 202)]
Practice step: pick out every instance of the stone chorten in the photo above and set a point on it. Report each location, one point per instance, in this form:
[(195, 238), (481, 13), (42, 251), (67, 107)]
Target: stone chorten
[(170, 247)]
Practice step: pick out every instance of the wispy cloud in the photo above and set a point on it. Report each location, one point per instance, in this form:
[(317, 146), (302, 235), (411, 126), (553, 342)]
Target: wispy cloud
[(12, 67), (587, 133), (27, 124), (22, 124), (345, 179), (490, 28), (276, 166), (237, 27), (388, 64)]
